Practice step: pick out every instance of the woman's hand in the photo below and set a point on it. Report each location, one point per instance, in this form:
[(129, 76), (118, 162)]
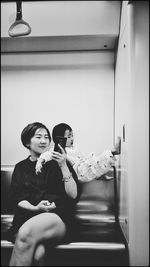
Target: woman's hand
[(45, 205), (60, 157)]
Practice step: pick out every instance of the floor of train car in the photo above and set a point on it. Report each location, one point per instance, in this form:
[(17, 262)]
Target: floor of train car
[(78, 258)]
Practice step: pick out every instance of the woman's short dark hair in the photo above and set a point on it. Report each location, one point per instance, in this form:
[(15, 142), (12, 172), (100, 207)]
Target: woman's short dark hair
[(59, 130), (29, 131)]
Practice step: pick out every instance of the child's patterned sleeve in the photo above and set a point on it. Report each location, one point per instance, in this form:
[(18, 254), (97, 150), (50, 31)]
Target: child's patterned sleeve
[(46, 156)]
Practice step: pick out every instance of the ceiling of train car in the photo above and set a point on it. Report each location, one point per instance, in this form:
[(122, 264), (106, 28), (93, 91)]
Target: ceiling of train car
[(62, 25)]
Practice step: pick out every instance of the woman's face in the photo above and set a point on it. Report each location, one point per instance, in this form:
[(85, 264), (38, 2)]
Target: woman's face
[(39, 143), (69, 135)]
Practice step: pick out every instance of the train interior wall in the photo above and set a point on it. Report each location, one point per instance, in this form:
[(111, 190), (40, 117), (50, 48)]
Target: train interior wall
[(132, 124), (75, 87)]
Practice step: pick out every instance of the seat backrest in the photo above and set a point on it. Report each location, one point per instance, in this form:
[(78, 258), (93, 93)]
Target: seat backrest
[(97, 196), (6, 175)]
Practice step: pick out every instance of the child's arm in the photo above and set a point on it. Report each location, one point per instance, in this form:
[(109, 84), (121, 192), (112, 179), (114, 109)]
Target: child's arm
[(44, 157), (39, 165)]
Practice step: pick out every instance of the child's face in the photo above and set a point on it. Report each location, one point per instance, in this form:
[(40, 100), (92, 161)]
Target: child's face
[(69, 135)]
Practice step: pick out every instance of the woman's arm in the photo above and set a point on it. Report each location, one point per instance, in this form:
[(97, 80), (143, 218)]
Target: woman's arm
[(25, 204), (69, 183), (43, 205)]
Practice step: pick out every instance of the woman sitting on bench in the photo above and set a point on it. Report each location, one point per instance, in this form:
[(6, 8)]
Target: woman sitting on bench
[(44, 203)]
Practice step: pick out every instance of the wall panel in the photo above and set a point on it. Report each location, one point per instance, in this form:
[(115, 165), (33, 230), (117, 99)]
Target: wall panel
[(76, 88)]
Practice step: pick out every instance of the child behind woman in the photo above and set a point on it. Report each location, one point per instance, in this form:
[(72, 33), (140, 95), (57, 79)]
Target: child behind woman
[(88, 167)]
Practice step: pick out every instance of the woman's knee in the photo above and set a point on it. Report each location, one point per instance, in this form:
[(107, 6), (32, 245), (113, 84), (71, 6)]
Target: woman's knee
[(24, 237), (43, 227), (59, 228)]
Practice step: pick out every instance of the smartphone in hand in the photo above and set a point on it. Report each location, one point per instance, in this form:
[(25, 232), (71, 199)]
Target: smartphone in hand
[(60, 140)]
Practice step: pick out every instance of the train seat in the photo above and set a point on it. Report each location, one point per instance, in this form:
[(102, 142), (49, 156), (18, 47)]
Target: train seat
[(99, 239)]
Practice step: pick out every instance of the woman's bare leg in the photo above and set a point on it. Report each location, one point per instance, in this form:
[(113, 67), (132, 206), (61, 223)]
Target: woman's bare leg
[(40, 228), (39, 255)]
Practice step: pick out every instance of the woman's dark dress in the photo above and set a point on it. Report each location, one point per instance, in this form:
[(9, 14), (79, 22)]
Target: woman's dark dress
[(47, 185)]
